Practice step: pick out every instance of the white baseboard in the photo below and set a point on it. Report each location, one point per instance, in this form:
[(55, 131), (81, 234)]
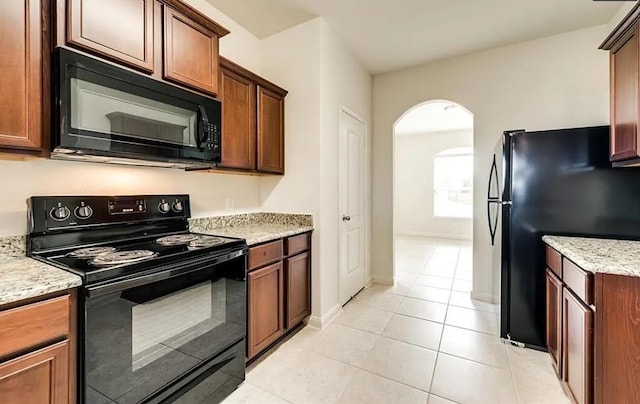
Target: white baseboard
[(321, 322), (485, 297), (436, 235), (383, 280)]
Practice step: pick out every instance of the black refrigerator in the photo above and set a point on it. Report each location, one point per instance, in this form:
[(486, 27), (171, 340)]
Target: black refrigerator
[(557, 182)]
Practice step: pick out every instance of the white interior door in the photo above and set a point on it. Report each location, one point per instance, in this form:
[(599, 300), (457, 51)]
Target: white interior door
[(352, 218)]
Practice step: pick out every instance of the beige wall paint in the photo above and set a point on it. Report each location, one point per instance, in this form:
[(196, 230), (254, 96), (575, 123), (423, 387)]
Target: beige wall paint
[(413, 185), (320, 75), (555, 82)]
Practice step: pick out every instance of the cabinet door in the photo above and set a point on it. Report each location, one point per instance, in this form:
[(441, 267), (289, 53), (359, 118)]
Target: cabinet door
[(190, 52), (38, 377), (238, 121), (118, 29), (24, 73), (554, 319), (577, 348), (270, 131), (265, 317), (624, 98), (298, 281)]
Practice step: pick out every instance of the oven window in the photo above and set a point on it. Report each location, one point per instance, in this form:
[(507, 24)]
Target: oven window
[(139, 340), (103, 109)]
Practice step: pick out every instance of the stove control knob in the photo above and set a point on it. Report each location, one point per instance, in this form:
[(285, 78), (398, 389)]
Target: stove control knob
[(164, 207), (177, 206), (60, 213), (83, 212)]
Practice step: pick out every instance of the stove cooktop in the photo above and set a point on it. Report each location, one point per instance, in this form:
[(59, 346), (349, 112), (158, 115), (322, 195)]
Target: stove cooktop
[(109, 260)]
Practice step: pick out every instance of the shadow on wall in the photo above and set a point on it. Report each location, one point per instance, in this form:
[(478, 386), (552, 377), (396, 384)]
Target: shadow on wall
[(433, 171)]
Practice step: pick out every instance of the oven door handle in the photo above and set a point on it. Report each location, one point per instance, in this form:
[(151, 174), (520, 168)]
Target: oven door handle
[(119, 286)]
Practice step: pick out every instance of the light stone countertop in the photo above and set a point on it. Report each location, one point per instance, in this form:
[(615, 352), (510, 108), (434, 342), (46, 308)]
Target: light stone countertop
[(22, 277), (256, 233), (616, 257), (256, 228)]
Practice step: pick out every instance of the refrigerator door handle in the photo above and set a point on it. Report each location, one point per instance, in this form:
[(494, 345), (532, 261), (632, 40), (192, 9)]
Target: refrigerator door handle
[(493, 224), (493, 176)]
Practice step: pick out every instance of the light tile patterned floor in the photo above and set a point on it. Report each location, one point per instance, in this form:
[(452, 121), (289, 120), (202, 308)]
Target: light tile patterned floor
[(421, 341)]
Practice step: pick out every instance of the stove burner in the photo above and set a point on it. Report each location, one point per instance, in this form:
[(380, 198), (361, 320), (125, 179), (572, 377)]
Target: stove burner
[(122, 257), (206, 241), (177, 239), (91, 252)]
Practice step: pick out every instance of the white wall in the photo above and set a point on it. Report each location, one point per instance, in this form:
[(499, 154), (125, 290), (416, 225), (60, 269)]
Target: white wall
[(555, 82), (310, 62), (413, 185)]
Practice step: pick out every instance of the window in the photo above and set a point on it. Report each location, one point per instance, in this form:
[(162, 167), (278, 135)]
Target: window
[(453, 183)]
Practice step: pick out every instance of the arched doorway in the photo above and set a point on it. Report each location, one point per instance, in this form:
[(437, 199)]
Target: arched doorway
[(433, 200)]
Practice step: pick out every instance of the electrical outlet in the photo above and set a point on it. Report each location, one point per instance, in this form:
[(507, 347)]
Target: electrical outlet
[(229, 202)]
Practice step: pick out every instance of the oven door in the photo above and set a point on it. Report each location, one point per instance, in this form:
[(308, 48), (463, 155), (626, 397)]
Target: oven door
[(109, 111), (156, 338)]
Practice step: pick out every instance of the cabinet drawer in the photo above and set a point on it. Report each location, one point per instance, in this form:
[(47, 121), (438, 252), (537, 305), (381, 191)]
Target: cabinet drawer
[(578, 280), (297, 244), (554, 261), (27, 326), (265, 254)]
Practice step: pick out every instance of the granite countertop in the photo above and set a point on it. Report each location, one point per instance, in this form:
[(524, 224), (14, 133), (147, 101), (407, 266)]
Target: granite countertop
[(22, 277), (256, 228), (616, 257)]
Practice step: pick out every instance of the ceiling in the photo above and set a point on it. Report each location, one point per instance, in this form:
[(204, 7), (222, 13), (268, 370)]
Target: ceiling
[(434, 116), (388, 35)]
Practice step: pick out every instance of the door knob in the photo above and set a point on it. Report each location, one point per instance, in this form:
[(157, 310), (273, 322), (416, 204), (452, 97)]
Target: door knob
[(346, 218)]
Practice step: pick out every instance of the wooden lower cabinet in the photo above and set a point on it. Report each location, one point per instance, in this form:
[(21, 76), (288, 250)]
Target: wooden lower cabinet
[(298, 279), (38, 377), (266, 315), (554, 319), (278, 290), (577, 348), (38, 350)]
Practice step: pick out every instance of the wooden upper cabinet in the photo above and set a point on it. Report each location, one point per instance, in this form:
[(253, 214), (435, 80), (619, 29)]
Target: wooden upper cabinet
[(624, 96), (270, 131), (24, 73), (624, 71), (121, 30), (238, 95), (252, 120), (190, 52)]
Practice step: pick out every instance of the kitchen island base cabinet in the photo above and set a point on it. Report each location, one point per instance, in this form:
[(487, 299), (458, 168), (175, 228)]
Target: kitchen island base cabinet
[(577, 348), (265, 317), (38, 377)]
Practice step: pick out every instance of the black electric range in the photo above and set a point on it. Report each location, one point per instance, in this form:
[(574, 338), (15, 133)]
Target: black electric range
[(163, 309)]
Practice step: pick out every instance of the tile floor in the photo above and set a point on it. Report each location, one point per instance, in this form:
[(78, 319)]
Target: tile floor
[(423, 340)]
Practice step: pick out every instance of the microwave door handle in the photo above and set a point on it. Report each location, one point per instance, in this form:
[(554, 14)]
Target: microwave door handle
[(203, 121)]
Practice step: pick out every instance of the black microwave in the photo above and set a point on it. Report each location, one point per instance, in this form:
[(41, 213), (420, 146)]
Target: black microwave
[(105, 113)]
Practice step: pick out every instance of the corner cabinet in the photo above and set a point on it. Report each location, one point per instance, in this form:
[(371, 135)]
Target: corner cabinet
[(37, 354), (25, 56), (278, 290), (252, 121), (622, 45)]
